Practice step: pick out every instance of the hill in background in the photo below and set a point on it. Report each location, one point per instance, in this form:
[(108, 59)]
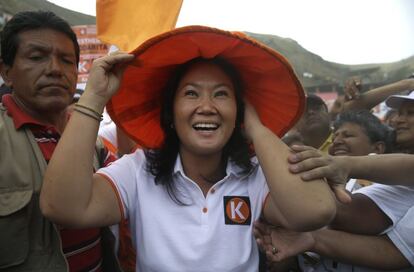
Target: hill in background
[(11, 7), (316, 74)]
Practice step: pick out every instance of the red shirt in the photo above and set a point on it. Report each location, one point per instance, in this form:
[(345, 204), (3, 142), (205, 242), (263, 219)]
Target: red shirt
[(82, 248)]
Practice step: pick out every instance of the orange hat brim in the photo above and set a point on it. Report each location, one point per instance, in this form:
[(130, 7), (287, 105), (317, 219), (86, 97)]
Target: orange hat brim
[(271, 85)]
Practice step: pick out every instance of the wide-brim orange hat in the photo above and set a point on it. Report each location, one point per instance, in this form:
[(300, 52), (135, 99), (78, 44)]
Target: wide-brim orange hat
[(271, 85)]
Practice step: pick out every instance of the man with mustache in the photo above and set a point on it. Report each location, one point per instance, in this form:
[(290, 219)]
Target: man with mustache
[(39, 59)]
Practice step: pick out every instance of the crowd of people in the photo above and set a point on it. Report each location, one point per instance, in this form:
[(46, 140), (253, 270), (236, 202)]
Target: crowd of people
[(215, 160), (371, 232)]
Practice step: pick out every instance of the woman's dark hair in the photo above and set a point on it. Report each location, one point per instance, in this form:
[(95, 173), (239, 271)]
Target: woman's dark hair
[(31, 20), (370, 124), (160, 162)]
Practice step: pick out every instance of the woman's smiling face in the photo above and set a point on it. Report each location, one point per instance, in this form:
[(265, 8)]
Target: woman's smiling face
[(204, 109)]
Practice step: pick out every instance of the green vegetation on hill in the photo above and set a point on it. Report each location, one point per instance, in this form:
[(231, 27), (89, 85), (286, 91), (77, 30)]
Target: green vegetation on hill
[(316, 73)]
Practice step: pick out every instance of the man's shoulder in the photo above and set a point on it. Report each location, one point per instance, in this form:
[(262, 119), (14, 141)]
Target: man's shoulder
[(7, 127), (3, 113)]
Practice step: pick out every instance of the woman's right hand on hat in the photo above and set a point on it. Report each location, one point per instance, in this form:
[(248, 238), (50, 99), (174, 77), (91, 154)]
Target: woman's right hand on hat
[(104, 79), (313, 164), (252, 123)]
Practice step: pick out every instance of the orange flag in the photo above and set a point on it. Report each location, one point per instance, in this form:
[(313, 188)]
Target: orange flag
[(128, 23)]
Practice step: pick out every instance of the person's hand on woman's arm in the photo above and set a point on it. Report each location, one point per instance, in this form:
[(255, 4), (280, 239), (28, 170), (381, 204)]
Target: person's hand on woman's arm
[(292, 203), (361, 215), (311, 163), (391, 169)]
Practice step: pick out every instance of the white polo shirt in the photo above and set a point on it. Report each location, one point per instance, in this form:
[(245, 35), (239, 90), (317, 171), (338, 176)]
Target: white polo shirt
[(397, 202), (394, 201), (402, 235), (212, 233)]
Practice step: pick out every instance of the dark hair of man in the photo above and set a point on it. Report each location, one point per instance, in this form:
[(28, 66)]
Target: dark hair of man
[(312, 100), (32, 20), (370, 124), (160, 162)]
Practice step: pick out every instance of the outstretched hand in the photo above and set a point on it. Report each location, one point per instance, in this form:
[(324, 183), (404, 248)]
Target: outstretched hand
[(105, 77), (312, 164), (279, 243)]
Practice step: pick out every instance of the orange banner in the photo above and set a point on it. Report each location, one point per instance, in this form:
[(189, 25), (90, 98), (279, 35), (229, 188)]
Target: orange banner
[(90, 49), (127, 23)]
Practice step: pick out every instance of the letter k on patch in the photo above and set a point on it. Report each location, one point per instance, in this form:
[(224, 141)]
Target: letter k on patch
[(237, 210)]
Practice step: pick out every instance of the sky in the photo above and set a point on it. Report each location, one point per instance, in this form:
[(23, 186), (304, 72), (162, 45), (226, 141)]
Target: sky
[(342, 31)]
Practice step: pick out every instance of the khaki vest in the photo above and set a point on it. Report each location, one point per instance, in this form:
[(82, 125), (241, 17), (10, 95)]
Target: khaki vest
[(28, 241)]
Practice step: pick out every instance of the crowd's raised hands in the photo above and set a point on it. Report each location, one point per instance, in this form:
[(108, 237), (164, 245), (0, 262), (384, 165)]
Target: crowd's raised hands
[(352, 88)]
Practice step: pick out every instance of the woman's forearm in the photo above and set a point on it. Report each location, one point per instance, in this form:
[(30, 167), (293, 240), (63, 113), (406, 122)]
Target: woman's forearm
[(67, 186), (305, 205)]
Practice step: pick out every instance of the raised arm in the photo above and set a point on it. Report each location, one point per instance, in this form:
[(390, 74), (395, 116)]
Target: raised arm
[(71, 195), (391, 169), (362, 215), (373, 97), (293, 203)]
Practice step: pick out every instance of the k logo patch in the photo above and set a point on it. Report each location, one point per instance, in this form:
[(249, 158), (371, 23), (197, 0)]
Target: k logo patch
[(237, 210)]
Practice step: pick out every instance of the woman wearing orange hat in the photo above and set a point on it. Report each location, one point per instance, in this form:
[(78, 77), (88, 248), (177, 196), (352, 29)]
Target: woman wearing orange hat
[(194, 190)]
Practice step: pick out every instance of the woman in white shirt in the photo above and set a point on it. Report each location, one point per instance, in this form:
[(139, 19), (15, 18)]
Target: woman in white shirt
[(192, 194)]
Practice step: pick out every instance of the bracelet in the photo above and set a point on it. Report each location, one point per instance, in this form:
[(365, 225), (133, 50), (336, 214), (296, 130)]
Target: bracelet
[(94, 112), (88, 114)]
